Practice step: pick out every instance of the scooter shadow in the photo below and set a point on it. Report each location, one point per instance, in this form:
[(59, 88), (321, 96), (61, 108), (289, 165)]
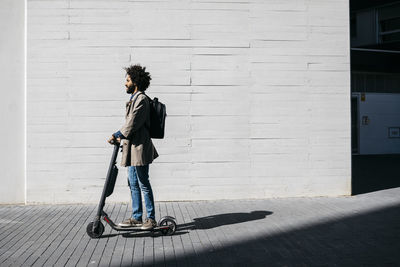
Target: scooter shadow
[(203, 223), (217, 220), (129, 234)]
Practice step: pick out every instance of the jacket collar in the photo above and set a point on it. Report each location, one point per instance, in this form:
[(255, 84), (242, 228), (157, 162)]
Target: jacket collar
[(132, 98), (133, 95)]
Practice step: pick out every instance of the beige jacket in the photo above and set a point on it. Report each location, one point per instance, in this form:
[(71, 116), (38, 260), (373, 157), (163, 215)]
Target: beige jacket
[(137, 148)]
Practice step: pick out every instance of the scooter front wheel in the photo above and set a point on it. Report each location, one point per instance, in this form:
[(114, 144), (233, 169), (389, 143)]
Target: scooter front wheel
[(95, 233), (171, 226)]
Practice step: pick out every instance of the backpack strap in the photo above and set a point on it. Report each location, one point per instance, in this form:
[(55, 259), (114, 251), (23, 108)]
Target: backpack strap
[(133, 104), (140, 92)]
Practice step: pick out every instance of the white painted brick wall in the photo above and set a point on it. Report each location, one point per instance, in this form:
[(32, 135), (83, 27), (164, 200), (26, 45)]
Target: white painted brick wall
[(257, 95), (12, 102)]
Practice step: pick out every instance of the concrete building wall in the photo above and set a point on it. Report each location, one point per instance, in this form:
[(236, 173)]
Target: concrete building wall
[(12, 101), (257, 96)]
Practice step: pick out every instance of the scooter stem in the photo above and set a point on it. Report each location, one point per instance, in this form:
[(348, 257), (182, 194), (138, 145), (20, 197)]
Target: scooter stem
[(103, 195)]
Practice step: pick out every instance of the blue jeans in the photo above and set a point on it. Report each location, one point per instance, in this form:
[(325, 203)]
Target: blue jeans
[(138, 177)]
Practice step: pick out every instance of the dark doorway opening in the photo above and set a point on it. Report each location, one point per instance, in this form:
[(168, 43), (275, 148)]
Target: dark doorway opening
[(375, 68), (374, 172)]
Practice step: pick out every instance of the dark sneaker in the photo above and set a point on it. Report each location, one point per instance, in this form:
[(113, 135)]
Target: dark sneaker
[(131, 222), (149, 224)]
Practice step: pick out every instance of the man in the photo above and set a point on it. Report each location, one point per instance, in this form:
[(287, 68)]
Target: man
[(138, 150)]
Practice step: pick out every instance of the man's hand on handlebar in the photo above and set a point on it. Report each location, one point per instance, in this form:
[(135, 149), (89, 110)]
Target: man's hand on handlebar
[(112, 140)]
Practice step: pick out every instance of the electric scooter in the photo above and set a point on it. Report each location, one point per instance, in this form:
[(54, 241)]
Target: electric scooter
[(166, 225)]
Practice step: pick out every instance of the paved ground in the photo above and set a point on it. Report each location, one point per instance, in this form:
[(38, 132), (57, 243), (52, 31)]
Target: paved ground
[(343, 231)]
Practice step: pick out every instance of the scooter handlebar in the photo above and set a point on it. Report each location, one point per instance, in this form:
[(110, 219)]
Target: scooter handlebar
[(114, 142)]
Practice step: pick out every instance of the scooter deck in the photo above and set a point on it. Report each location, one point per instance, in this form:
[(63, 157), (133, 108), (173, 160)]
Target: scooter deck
[(134, 228), (138, 228)]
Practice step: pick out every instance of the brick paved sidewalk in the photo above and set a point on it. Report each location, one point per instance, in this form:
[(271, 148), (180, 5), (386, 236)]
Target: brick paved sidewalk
[(322, 231)]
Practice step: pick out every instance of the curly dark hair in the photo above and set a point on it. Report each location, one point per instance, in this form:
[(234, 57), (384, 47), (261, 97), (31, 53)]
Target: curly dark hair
[(139, 76)]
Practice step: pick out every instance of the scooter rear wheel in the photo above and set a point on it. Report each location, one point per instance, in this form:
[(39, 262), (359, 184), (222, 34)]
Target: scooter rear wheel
[(171, 226), (97, 233)]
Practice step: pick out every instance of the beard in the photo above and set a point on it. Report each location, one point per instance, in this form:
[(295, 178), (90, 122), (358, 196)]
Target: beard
[(130, 89)]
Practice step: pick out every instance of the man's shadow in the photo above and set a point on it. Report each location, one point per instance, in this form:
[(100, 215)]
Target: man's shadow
[(217, 220), (207, 222)]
